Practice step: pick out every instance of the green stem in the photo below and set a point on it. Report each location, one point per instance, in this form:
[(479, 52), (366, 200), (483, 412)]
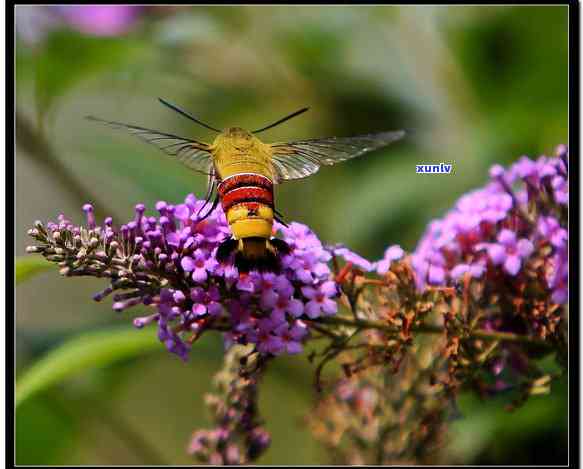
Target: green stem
[(429, 329), (508, 337)]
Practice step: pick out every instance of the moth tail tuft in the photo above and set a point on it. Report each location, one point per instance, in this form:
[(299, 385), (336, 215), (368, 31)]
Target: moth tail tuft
[(280, 246), (226, 248), (260, 254)]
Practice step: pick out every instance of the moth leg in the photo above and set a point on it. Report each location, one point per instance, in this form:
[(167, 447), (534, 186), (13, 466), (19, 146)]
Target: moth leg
[(279, 217), (209, 193), (211, 210)]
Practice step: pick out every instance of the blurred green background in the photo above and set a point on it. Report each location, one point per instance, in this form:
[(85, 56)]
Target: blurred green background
[(475, 85)]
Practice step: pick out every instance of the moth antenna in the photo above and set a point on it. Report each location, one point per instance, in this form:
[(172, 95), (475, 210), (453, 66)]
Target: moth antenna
[(281, 121), (187, 115)]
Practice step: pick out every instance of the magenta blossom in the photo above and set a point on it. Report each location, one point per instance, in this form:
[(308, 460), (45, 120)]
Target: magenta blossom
[(292, 336), (100, 20), (392, 253), (263, 337), (200, 265), (320, 300), (495, 227), (282, 303), (34, 22), (352, 257), (167, 262), (205, 301), (509, 251)]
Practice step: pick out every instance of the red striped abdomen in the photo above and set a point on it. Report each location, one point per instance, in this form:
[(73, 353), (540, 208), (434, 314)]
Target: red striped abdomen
[(247, 201)]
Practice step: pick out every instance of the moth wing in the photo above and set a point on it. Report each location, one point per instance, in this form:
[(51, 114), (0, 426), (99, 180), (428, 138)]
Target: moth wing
[(302, 158), (191, 153)]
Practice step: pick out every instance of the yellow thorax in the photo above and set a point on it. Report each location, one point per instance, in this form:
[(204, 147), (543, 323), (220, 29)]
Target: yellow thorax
[(237, 151)]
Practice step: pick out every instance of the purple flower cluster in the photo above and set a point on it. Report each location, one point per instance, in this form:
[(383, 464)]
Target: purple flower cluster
[(362, 420), (34, 22), (168, 262), (237, 436), (100, 20), (215, 448), (519, 216)]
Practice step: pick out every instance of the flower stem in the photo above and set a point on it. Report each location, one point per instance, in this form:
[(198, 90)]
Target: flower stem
[(431, 329)]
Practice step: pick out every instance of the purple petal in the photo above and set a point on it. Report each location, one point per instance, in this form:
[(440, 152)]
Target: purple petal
[(173, 239), (321, 270), (295, 308), (329, 288), (283, 285), (497, 366), (312, 309), (558, 182), (459, 270), (100, 20), (436, 275), (512, 264), (525, 247), (293, 347), (199, 275), (246, 284), (477, 270), (560, 296), (196, 294), (199, 255), (231, 273), (182, 212), (281, 329), (187, 263), (277, 316), (496, 171), (559, 237), (524, 167), (496, 253), (304, 276), (214, 309), (299, 330), (507, 238), (214, 294), (309, 292), (394, 253), (179, 296), (561, 197), (199, 309), (211, 264), (329, 306), (269, 299), (383, 266), (350, 256), (275, 345)]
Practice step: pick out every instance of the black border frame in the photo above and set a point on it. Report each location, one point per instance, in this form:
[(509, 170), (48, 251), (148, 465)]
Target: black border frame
[(574, 222)]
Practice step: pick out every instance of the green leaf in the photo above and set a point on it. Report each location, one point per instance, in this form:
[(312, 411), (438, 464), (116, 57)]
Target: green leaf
[(70, 57), (90, 350), (27, 267), (55, 432)]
